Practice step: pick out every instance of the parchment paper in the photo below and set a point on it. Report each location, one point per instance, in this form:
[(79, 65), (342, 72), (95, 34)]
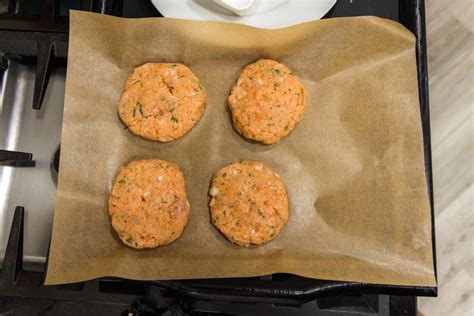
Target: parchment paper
[(353, 167)]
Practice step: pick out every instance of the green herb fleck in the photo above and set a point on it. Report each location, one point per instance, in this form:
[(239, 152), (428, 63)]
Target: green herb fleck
[(163, 98), (271, 226), (285, 128), (131, 241), (173, 66), (250, 77), (214, 221), (225, 174), (170, 108), (134, 110), (140, 108), (275, 71), (276, 85), (238, 222), (261, 213), (122, 181), (199, 88), (174, 119)]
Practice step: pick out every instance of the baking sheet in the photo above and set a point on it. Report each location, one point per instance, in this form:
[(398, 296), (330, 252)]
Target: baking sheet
[(353, 167)]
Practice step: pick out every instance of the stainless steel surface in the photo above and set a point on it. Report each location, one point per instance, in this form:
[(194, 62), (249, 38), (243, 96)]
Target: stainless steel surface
[(37, 132)]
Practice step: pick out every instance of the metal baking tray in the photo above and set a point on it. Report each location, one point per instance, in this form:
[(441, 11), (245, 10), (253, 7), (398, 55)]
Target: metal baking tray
[(291, 288), (277, 288)]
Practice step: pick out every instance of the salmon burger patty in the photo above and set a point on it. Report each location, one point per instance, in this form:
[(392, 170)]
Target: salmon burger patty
[(267, 101), (162, 101), (148, 204), (248, 203)]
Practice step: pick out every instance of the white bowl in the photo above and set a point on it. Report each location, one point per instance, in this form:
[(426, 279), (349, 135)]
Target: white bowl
[(261, 13)]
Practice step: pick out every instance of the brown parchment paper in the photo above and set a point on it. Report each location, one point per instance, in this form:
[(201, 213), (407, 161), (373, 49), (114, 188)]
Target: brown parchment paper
[(353, 167)]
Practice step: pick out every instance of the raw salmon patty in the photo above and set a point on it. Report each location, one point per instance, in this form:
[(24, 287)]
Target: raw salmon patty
[(267, 101), (162, 101), (148, 204), (248, 203)]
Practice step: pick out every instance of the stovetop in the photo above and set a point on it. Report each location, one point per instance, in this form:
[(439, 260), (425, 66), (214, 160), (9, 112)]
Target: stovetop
[(33, 184), (33, 51)]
